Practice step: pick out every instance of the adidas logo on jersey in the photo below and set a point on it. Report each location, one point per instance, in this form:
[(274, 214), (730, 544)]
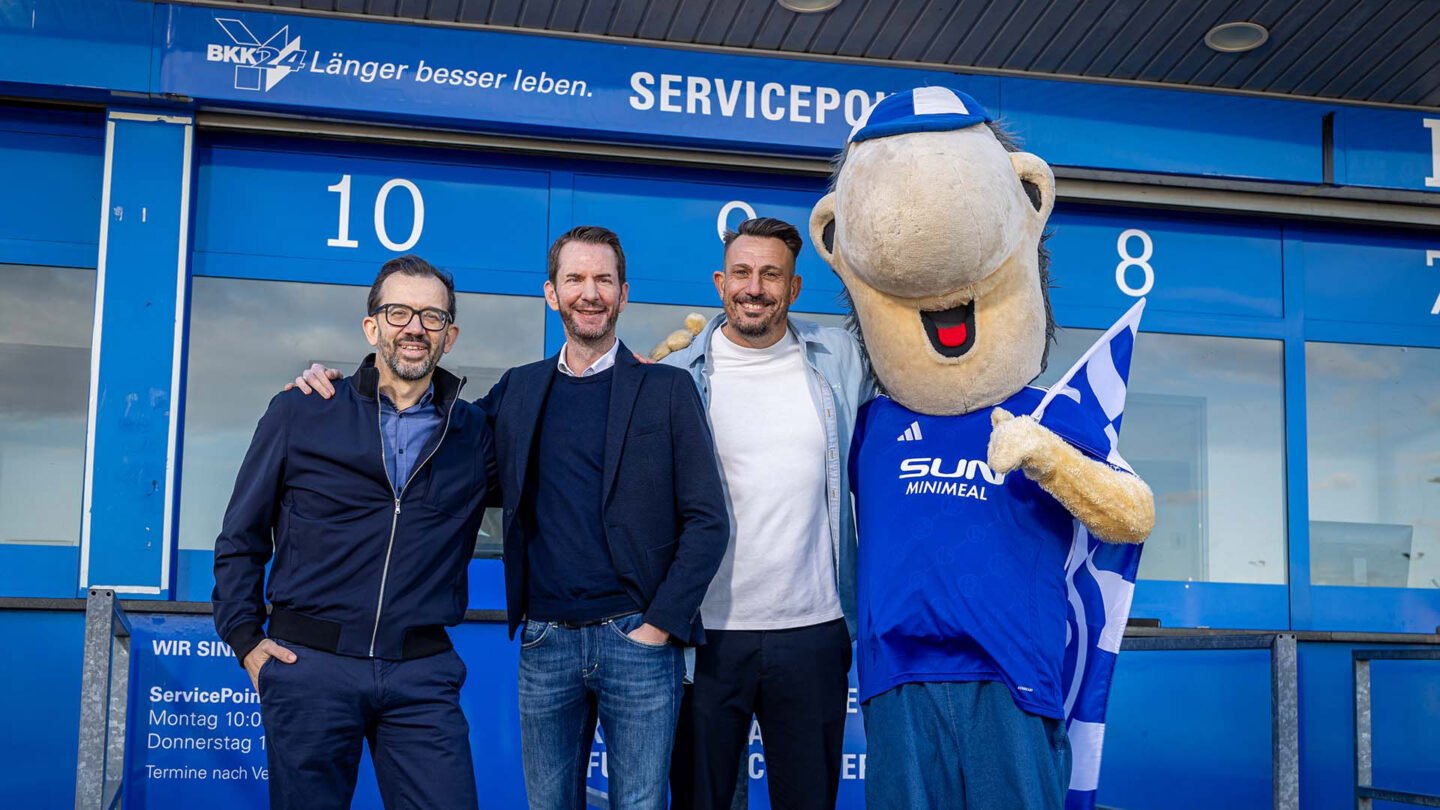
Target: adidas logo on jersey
[(911, 434)]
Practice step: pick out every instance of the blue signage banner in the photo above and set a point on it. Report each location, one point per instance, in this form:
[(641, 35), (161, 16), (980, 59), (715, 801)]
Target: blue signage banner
[(1163, 131), (1387, 149), (195, 737), (525, 83)]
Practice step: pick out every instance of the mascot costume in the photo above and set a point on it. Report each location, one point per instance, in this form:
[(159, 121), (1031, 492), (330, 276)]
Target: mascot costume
[(973, 520), (998, 525)]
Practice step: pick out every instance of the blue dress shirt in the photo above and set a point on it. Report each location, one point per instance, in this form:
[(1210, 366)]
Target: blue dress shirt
[(405, 434)]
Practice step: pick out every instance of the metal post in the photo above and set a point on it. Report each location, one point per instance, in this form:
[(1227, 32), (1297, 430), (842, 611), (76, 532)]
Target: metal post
[(1363, 741), (104, 688), (1285, 721)]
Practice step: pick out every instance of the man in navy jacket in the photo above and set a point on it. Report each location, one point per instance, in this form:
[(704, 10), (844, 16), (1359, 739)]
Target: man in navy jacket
[(614, 524), (370, 503)]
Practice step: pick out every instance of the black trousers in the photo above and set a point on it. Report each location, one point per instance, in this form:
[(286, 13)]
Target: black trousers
[(796, 682)]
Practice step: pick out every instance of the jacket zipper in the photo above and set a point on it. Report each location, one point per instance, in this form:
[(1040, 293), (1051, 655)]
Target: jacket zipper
[(395, 518)]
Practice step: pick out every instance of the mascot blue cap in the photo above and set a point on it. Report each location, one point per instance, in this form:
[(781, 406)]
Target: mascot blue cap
[(924, 109)]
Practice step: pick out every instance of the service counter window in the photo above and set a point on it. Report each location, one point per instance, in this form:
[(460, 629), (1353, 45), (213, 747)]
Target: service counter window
[(46, 319), (1204, 426), (248, 338), (1374, 451)]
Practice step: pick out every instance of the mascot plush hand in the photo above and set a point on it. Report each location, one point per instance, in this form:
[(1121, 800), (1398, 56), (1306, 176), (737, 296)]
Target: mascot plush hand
[(966, 511)]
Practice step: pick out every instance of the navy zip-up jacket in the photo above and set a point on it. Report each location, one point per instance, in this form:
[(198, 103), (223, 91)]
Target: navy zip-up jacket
[(363, 567)]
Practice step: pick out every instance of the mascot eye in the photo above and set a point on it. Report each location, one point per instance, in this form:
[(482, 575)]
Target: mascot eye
[(828, 235), (1033, 192)]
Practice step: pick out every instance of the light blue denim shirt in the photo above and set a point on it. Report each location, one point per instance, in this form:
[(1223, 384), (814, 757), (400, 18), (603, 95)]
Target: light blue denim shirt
[(839, 385)]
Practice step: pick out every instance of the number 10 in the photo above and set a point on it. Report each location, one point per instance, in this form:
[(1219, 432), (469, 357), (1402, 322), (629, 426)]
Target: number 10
[(343, 240)]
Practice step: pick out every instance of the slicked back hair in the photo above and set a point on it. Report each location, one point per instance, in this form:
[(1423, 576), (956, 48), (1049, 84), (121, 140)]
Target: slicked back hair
[(590, 235), (411, 265), (768, 228)]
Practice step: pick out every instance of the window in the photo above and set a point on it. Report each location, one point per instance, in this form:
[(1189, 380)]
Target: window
[(1374, 447), (46, 318), (1204, 426), (249, 338)]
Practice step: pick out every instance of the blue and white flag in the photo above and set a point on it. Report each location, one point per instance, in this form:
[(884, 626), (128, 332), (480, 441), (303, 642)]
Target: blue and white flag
[(1085, 408)]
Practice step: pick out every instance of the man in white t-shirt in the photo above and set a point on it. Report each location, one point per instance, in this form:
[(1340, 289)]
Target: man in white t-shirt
[(781, 395)]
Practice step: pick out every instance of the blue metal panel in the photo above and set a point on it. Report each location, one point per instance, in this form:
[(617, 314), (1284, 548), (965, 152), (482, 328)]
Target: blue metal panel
[(1188, 730), (269, 213), (1297, 460), (1386, 610), (1387, 148), (1388, 278), (54, 163), (33, 570), (124, 540), (1145, 130), (1405, 720), (1225, 605), (1104, 258), (521, 83), (105, 46), (672, 263), (40, 707)]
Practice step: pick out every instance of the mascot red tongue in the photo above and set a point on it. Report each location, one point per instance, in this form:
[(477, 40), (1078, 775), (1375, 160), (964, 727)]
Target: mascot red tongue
[(966, 513)]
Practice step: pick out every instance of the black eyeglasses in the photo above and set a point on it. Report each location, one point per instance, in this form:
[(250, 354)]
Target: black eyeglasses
[(400, 316)]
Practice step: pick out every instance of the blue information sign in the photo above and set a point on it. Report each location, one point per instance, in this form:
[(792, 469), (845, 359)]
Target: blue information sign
[(1369, 277), (336, 217), (1387, 148), (1104, 258), (195, 737)]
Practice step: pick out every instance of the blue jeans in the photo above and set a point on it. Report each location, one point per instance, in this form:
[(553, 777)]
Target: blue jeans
[(965, 746), (568, 677)]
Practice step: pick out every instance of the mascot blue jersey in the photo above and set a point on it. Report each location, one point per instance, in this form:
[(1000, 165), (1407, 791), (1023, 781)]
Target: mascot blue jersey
[(962, 571)]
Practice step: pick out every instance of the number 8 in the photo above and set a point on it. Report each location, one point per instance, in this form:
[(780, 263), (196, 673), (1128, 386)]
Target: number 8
[(1127, 261)]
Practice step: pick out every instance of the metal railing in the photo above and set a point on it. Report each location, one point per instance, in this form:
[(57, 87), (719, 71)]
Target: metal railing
[(1366, 794), (1284, 696), (104, 691)]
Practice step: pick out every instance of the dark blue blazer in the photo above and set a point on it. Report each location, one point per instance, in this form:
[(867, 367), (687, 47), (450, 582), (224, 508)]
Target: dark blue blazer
[(663, 508)]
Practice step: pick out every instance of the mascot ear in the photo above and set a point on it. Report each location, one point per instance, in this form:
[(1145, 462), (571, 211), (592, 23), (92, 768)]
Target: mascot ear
[(1037, 180), (822, 227)]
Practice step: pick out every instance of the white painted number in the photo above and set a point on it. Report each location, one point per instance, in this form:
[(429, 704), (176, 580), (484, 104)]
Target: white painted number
[(722, 222), (1127, 261), (417, 226), (343, 240), (1430, 257), (1433, 124)]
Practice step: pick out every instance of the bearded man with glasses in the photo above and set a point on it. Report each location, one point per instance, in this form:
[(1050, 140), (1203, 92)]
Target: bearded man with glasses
[(370, 503)]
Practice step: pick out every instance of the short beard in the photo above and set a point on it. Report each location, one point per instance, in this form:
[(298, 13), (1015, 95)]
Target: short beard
[(754, 329), (410, 372), (572, 327)]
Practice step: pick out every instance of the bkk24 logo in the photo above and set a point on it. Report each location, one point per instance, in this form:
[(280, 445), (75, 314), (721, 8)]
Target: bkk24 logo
[(258, 65)]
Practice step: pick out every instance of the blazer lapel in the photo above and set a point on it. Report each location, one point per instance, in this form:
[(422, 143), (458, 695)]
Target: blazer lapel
[(525, 415), (623, 390)]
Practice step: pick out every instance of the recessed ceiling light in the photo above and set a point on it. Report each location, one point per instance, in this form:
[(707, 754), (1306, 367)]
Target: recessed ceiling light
[(808, 6), (1236, 37)]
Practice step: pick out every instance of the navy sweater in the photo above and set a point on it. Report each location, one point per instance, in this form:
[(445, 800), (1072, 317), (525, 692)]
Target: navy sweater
[(571, 575)]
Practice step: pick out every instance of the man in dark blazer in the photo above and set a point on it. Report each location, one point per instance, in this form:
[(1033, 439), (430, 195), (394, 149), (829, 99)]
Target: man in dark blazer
[(615, 523)]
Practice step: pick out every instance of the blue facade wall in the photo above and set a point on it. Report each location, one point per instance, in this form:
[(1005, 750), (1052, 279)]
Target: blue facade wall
[(1185, 729)]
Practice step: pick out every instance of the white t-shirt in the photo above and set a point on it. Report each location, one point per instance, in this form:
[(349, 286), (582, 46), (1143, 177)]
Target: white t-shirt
[(779, 569)]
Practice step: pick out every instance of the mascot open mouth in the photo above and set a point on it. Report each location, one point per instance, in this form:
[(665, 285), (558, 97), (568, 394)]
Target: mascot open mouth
[(951, 331)]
